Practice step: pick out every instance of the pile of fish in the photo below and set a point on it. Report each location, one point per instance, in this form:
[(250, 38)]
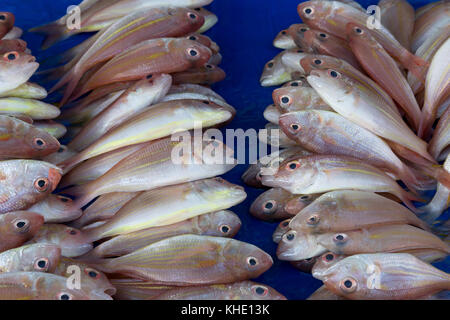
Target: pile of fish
[(128, 222), (361, 108)]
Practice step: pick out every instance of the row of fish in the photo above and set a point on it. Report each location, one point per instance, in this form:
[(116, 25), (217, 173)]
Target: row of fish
[(353, 117), (128, 222)]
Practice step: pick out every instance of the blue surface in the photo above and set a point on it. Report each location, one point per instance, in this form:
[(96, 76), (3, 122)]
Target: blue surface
[(245, 33)]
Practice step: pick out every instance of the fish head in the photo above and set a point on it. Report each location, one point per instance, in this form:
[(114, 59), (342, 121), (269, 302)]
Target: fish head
[(304, 265), (324, 262), (281, 229), (274, 73), (218, 189), (98, 281), (42, 177), (210, 19), (39, 257), (204, 40), (296, 245), (312, 11), (63, 153), (297, 32), (12, 45), (297, 204), (299, 82), (290, 59), (41, 142), (284, 97), (17, 67), (246, 260), (320, 62), (331, 84), (193, 52), (220, 224), (73, 242), (190, 17), (53, 287), (293, 124), (282, 40), (257, 291), (316, 37), (7, 19), (63, 207), (356, 33), (21, 224), (270, 204), (335, 241), (212, 112)]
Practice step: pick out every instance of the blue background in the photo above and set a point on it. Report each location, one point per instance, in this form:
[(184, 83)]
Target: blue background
[(245, 33)]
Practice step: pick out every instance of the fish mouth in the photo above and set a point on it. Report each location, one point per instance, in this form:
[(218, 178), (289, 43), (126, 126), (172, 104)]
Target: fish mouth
[(315, 73)]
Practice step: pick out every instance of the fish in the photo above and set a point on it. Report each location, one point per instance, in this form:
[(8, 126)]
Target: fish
[(325, 132), (16, 68), (14, 33), (441, 136), (252, 176), (19, 139), (204, 40), (219, 224), (207, 74), (33, 257), (165, 55), (296, 245), (7, 20), (63, 153), (281, 229), (324, 294), (323, 173), (363, 108), (135, 99), (294, 98), (56, 209), (437, 86), (398, 16), (132, 289), (128, 32), (388, 238), (383, 69), (104, 208), (93, 281), (333, 17), (390, 276), (73, 242), (154, 166), (196, 92), (270, 205), (245, 290), (434, 20), (304, 265), (193, 199), (275, 137), (37, 286), (25, 182), (95, 167), (157, 122), (53, 128), (297, 32), (102, 14), (327, 44), (324, 262), (35, 109), (299, 202), (346, 210), (27, 90), (271, 114), (12, 45), (188, 260), (276, 72), (210, 19), (284, 40), (18, 227)]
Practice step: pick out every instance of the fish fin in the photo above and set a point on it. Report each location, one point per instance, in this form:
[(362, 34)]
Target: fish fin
[(417, 66), (68, 164), (426, 124), (54, 32), (407, 199), (410, 180), (83, 194), (438, 173)]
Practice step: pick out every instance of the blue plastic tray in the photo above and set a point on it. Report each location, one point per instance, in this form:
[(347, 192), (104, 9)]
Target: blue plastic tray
[(245, 33)]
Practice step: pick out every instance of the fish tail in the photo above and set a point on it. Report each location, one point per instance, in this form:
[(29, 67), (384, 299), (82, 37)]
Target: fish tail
[(52, 73), (407, 199), (417, 66), (426, 123), (71, 86), (410, 179), (83, 193), (68, 164), (54, 32), (438, 173)]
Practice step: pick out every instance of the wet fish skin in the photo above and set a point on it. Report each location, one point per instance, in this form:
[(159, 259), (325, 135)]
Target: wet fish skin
[(276, 72), (104, 208), (153, 166), (322, 173), (33, 257), (293, 98), (296, 245), (14, 33), (346, 210), (73, 242), (275, 137), (63, 153), (35, 109), (245, 290), (383, 69), (18, 227), (390, 276), (37, 286), (6, 23), (192, 259), (135, 99), (53, 128), (270, 205), (284, 40), (194, 199), (324, 262), (27, 90), (15, 69), (271, 114), (324, 294), (12, 45), (441, 136), (389, 238), (26, 182), (56, 209), (398, 17), (205, 75), (219, 224), (281, 229), (19, 139), (210, 19), (159, 121), (132, 289)]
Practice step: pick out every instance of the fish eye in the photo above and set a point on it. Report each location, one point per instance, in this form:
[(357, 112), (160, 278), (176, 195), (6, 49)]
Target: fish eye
[(192, 16), (224, 229), (285, 100), (283, 32), (2, 17), (317, 61), (304, 29), (61, 150), (348, 285), (21, 225), (192, 52), (198, 9), (41, 184), (205, 101), (260, 290), (308, 11), (149, 77), (334, 74), (209, 66), (323, 35), (295, 127), (314, 219), (305, 197), (65, 296), (64, 199), (291, 166), (300, 51), (71, 231), (92, 273), (270, 64), (41, 264), (269, 207), (39, 143), (252, 261), (290, 236), (340, 238), (328, 257), (193, 38), (358, 30), (11, 56), (294, 84)]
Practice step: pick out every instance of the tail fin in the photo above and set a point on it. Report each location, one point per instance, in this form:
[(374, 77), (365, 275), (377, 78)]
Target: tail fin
[(438, 173), (407, 199), (417, 66), (71, 79), (54, 33), (83, 194), (410, 180)]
